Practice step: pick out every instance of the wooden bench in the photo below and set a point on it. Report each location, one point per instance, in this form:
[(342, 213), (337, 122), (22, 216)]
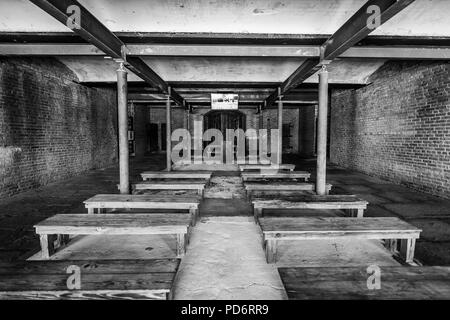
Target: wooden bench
[(350, 203), (268, 167), (204, 175), (170, 185), (99, 279), (279, 229), (143, 201), (256, 176), (350, 283), (280, 187), (54, 231)]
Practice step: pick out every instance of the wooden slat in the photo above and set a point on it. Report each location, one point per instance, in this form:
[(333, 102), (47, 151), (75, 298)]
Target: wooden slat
[(144, 201), (282, 186), (351, 283), (310, 202), (91, 266), (243, 167), (176, 175), (169, 185), (115, 224), (247, 176), (327, 227), (100, 279)]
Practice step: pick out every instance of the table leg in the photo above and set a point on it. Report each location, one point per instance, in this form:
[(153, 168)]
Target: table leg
[(271, 251), (47, 247), (181, 244), (407, 247)]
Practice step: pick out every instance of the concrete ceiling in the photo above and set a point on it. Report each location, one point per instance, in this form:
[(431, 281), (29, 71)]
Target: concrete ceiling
[(422, 18), (221, 69)]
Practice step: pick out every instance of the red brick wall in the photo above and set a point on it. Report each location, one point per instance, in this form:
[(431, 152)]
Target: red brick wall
[(51, 128), (398, 127)]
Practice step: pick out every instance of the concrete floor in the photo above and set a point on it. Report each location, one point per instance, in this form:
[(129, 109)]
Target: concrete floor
[(225, 258)]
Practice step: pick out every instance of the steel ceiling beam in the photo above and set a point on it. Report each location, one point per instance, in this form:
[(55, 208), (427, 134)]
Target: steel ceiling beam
[(93, 31), (351, 32)]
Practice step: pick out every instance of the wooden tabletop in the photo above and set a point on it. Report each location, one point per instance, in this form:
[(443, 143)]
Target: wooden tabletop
[(346, 283), (99, 278), (114, 224), (331, 224)]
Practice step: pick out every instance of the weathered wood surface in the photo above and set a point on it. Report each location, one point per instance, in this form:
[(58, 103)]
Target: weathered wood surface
[(100, 279), (176, 175), (255, 176), (262, 167), (175, 184), (170, 185), (347, 283), (277, 188), (312, 201), (324, 228), (331, 228), (118, 224), (144, 201)]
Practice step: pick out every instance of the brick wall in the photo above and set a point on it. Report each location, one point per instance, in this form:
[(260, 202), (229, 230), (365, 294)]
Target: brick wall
[(397, 128), (51, 127)]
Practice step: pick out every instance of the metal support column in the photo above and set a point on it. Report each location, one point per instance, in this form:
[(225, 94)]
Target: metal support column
[(122, 103), (322, 132)]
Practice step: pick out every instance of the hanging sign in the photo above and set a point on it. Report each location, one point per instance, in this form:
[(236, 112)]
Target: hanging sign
[(224, 101)]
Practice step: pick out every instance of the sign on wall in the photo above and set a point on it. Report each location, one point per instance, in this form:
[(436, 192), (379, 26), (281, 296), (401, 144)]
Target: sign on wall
[(224, 101)]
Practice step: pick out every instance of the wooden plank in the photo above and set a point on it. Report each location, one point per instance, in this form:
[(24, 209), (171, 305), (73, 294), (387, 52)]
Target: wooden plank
[(310, 202), (345, 283), (144, 201), (333, 227), (99, 278), (247, 176), (166, 185), (92, 266), (282, 186), (117, 224), (262, 167), (176, 175)]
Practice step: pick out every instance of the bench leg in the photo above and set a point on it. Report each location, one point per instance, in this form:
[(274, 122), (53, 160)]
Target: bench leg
[(407, 247), (271, 251), (360, 213), (62, 240), (200, 192), (391, 245), (181, 244), (47, 247), (194, 216), (257, 212)]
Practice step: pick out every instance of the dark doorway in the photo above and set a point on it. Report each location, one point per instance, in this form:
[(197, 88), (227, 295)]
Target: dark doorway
[(152, 136), (223, 120)]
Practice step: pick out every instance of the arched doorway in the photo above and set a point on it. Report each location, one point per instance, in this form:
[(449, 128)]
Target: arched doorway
[(223, 120)]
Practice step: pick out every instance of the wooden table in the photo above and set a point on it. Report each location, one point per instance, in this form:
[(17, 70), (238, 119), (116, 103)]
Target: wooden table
[(270, 167), (350, 283), (99, 279), (324, 228), (146, 175), (143, 201), (280, 187), (56, 227), (171, 185), (255, 176), (351, 203)]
